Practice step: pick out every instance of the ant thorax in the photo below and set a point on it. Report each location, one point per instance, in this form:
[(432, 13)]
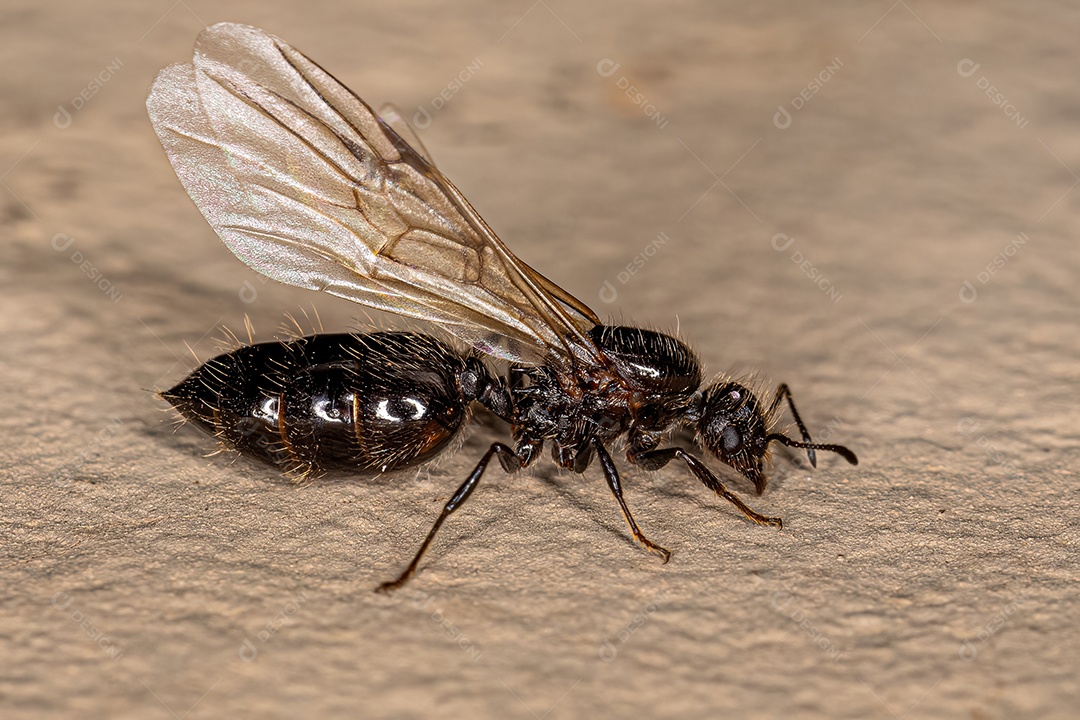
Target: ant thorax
[(644, 385)]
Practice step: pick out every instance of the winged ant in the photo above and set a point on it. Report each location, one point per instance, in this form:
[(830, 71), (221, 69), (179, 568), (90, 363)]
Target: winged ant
[(305, 183)]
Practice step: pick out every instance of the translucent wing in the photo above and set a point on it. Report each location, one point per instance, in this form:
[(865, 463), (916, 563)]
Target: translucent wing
[(307, 185), (391, 115)]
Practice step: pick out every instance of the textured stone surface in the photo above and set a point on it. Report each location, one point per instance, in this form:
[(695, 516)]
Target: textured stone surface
[(936, 579)]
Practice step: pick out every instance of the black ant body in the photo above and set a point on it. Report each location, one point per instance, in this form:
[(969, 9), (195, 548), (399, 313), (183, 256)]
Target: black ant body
[(305, 183)]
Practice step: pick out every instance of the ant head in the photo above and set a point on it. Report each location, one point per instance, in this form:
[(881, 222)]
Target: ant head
[(732, 427)]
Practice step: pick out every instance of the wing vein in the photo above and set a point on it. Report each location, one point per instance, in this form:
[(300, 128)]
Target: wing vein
[(307, 185)]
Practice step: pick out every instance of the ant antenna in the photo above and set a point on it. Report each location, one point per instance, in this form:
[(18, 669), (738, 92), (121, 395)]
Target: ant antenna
[(838, 449)]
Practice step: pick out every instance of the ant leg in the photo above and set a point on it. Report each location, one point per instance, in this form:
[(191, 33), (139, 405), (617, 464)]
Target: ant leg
[(510, 462), (656, 459), (611, 474), (782, 392)]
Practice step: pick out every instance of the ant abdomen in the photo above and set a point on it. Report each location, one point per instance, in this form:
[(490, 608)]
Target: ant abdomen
[(365, 404)]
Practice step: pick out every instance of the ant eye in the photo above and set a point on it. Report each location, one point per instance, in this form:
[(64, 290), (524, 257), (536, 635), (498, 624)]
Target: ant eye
[(731, 439)]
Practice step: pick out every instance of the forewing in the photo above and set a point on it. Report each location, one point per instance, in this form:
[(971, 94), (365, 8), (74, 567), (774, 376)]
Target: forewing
[(393, 117), (304, 183)]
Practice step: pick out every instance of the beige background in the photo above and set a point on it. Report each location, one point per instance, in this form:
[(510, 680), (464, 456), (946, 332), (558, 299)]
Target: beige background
[(936, 579)]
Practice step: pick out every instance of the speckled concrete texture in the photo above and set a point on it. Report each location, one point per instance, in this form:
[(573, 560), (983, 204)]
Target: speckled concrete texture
[(875, 203)]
